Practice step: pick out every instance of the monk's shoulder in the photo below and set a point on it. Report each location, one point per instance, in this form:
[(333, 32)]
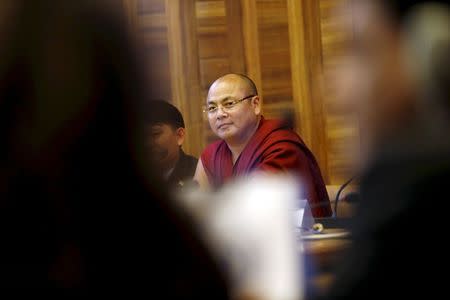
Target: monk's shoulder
[(212, 149), (278, 132), (283, 141)]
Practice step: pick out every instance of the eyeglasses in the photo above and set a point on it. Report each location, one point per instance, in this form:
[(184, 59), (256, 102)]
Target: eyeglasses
[(226, 105)]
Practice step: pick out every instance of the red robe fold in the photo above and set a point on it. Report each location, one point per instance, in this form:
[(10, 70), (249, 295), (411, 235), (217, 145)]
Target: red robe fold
[(274, 147)]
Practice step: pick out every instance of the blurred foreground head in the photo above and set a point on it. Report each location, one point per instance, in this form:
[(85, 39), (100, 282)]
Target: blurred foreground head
[(80, 205), (396, 79), (396, 72), (64, 67)]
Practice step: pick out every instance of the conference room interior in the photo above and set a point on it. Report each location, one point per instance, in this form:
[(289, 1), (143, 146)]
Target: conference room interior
[(290, 49), (295, 52)]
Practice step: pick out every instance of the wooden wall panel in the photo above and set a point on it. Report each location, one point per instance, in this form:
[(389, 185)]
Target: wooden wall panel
[(213, 57), (220, 45), (286, 46), (306, 68), (191, 106), (211, 69), (148, 19), (212, 46), (341, 128), (274, 52), (151, 7), (167, 30), (250, 35)]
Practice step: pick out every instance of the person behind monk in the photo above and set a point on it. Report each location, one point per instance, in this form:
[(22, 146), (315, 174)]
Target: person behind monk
[(165, 131), (396, 77), (250, 143)]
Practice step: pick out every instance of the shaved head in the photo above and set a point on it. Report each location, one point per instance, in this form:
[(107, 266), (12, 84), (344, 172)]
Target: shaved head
[(237, 106), (244, 82)]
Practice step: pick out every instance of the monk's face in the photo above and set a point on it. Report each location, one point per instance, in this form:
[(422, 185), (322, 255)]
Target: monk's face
[(237, 123)]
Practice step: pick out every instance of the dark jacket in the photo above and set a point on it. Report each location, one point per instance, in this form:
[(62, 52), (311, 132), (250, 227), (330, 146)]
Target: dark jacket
[(184, 170)]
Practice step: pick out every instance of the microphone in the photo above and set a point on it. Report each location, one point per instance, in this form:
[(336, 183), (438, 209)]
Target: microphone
[(339, 193)]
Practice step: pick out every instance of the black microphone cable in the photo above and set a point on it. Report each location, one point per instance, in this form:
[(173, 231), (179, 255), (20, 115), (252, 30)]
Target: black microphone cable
[(339, 193)]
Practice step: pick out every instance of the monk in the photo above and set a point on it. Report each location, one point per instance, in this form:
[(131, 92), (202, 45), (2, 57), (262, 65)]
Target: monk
[(249, 143)]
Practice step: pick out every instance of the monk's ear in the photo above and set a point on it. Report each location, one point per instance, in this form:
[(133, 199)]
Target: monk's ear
[(180, 133), (256, 103)]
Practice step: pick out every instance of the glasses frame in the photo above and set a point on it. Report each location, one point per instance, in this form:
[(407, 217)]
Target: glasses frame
[(236, 102)]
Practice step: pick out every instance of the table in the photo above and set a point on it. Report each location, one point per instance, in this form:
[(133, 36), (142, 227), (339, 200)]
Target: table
[(322, 251)]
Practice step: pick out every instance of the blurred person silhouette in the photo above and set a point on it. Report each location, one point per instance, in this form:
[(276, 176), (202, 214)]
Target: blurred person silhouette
[(165, 134), (396, 79), (80, 203)]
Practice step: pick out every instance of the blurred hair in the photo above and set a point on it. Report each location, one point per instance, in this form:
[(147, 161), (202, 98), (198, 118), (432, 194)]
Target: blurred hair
[(399, 9), (425, 24), (160, 111)]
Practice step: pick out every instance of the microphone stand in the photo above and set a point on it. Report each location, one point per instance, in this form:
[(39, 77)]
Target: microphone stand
[(339, 193)]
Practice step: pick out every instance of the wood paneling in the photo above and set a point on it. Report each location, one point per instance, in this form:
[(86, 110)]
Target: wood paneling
[(212, 46), (341, 129), (151, 7), (212, 68), (211, 27), (192, 105), (251, 44), (286, 46), (273, 34), (148, 20), (234, 35), (221, 46), (306, 53)]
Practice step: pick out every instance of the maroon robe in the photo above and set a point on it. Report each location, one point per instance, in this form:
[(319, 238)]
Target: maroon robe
[(274, 147)]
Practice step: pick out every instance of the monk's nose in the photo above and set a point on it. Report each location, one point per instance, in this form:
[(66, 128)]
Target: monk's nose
[(221, 113)]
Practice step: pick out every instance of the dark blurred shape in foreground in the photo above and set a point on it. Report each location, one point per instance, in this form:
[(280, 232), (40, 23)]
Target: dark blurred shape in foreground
[(397, 63), (78, 206)]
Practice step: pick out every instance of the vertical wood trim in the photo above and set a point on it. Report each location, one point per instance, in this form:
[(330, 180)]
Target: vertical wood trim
[(251, 43), (130, 7), (175, 48), (194, 101), (306, 64), (316, 77), (299, 70), (184, 70), (235, 35)]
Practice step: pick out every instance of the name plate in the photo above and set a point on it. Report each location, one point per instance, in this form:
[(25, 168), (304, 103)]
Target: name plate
[(303, 218)]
